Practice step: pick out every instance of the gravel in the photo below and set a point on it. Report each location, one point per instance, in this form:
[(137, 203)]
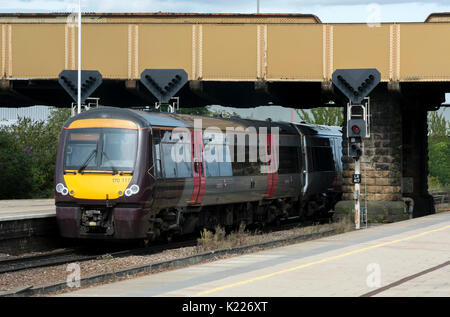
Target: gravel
[(107, 264)]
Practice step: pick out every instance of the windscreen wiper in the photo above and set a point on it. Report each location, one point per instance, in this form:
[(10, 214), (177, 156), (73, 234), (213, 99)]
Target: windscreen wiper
[(85, 164), (110, 163)]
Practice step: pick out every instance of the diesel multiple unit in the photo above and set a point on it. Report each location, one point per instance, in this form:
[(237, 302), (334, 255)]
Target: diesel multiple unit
[(128, 174)]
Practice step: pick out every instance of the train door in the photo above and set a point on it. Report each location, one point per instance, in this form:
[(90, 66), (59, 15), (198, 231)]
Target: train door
[(303, 162), (198, 169), (172, 171), (272, 175)]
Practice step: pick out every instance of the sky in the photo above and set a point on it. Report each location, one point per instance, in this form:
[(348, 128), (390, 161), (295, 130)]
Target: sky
[(326, 10), (329, 11)]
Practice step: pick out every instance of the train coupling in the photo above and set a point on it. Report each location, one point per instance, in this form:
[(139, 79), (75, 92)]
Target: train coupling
[(97, 221)]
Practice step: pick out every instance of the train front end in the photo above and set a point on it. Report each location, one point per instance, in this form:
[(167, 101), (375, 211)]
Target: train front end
[(99, 189)]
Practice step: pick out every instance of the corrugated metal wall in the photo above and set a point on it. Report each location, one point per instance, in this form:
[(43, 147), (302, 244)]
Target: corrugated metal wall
[(37, 113)]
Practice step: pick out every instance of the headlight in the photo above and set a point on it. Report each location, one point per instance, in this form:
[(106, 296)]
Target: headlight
[(59, 188), (134, 189), (63, 190)]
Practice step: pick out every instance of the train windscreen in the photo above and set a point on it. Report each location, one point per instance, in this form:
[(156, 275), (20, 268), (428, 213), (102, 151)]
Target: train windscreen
[(101, 149)]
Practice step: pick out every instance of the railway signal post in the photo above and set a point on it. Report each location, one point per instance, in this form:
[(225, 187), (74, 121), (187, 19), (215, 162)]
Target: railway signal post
[(356, 84)]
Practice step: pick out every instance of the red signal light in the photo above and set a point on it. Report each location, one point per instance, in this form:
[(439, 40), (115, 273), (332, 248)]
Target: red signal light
[(356, 129)]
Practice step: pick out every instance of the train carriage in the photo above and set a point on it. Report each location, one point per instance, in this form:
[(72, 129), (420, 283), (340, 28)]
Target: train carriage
[(128, 174)]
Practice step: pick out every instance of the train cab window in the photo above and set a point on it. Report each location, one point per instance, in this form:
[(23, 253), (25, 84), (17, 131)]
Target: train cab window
[(119, 149), (79, 147), (104, 149)]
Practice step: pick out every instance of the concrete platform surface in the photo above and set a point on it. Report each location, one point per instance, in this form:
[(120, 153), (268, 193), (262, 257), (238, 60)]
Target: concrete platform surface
[(26, 209), (408, 258)]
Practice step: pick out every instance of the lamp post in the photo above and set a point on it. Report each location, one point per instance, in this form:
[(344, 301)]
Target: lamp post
[(79, 56)]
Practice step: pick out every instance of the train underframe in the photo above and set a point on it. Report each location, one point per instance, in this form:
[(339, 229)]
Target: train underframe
[(176, 221), (134, 222)]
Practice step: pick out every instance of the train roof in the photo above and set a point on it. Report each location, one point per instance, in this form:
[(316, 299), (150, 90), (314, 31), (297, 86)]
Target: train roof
[(315, 129), (162, 119)]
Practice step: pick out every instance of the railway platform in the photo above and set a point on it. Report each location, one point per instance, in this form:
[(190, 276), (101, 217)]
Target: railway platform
[(408, 258), (26, 209), (25, 224)]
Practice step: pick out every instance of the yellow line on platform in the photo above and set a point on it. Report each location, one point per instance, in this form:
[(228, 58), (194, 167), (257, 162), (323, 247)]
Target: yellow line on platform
[(207, 292)]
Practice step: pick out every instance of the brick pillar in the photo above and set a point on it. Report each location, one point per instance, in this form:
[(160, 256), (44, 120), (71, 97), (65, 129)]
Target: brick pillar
[(381, 165)]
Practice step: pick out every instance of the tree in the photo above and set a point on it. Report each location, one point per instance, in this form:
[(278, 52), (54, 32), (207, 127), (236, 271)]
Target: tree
[(15, 176), (439, 147), (438, 126), (199, 111), (32, 145), (333, 116)]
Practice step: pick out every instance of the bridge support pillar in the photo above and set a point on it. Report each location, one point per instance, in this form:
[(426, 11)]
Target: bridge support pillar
[(394, 164), (415, 157)]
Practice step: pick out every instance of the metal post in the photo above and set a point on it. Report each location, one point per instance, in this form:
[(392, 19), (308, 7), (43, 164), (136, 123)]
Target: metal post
[(357, 196), (366, 212), (79, 56), (257, 6)]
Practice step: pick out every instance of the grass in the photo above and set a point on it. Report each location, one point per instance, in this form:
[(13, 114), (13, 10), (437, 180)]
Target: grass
[(218, 239)]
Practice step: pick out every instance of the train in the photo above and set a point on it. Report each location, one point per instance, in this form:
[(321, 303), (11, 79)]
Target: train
[(124, 174)]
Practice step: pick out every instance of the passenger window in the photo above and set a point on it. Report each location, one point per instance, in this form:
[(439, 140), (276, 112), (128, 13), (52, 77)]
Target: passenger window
[(176, 160), (288, 160), (217, 155), (322, 159)]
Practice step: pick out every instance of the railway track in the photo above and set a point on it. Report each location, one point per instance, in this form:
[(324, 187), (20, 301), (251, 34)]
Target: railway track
[(15, 264), (9, 265)]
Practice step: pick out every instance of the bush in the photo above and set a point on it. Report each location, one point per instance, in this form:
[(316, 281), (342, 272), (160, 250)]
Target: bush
[(438, 150), (15, 174), (28, 153), (439, 162)]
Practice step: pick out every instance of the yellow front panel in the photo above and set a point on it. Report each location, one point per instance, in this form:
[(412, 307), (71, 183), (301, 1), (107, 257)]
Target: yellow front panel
[(37, 51), (96, 186), (425, 52), (361, 46), (295, 52), (103, 123), (229, 52), (165, 46)]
